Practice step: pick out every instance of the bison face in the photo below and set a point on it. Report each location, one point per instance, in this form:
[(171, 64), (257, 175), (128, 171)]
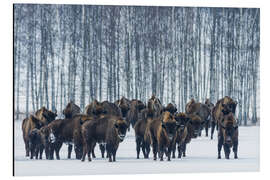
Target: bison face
[(121, 129), (182, 122), (49, 115), (170, 128), (197, 127), (228, 133)]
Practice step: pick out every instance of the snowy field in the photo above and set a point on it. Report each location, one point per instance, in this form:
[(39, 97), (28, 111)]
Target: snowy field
[(201, 157)]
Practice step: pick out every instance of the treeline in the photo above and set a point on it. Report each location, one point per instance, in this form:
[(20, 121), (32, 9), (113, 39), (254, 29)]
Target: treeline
[(85, 52)]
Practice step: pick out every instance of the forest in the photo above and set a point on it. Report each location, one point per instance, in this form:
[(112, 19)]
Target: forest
[(78, 53)]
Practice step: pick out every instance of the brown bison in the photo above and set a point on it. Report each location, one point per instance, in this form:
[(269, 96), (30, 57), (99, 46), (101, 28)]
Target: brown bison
[(171, 108), (108, 129), (140, 128), (162, 131), (36, 144), (45, 115), (94, 109), (28, 125), (183, 134), (228, 135), (71, 110), (202, 111), (65, 131), (224, 104), (133, 114), (124, 105)]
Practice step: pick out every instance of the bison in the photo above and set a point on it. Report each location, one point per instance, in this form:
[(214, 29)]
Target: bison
[(66, 131), (224, 104), (36, 144), (28, 125), (45, 115), (140, 128), (228, 135), (110, 130), (133, 114), (162, 131), (202, 110), (71, 110), (183, 134)]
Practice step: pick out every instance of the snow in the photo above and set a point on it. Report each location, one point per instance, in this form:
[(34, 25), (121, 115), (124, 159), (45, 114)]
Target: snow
[(201, 157)]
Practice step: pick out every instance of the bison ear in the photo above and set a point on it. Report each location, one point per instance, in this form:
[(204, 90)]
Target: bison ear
[(116, 125)]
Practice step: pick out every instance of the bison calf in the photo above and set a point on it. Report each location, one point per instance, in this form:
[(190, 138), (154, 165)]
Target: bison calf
[(110, 130)]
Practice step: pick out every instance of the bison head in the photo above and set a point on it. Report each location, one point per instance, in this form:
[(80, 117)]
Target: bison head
[(196, 124), (182, 120), (171, 108), (168, 123), (49, 115), (121, 128)]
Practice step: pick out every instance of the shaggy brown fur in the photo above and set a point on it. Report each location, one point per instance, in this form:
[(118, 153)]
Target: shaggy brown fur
[(108, 129), (29, 124), (162, 131), (45, 115), (71, 110), (228, 135)]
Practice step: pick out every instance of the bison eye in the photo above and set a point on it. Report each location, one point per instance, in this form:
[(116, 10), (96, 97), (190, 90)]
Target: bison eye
[(116, 125)]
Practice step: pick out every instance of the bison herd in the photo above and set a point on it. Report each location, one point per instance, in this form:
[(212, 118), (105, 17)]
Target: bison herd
[(162, 129)]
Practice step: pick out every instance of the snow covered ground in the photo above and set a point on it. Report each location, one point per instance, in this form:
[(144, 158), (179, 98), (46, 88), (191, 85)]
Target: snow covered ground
[(201, 157)]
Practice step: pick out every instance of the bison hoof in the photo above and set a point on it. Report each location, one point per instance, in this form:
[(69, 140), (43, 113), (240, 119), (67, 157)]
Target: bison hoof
[(161, 159), (110, 160), (219, 157), (82, 160), (173, 157)]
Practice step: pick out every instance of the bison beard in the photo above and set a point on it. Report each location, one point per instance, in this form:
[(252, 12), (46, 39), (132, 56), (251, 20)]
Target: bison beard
[(107, 129)]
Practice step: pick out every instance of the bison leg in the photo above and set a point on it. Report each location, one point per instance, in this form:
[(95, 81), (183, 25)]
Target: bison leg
[(147, 150), (226, 151), (161, 151), (184, 149), (220, 143), (93, 150), (213, 124), (109, 151), (235, 147), (69, 150), (114, 154), (58, 146), (138, 146), (155, 148), (78, 151), (85, 150), (102, 149), (206, 127), (173, 150), (27, 148), (180, 147), (41, 152)]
